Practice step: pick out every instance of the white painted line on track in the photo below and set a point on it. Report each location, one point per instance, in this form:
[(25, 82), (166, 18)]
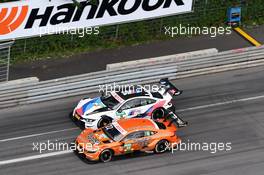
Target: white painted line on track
[(23, 159), (221, 103), (35, 135)]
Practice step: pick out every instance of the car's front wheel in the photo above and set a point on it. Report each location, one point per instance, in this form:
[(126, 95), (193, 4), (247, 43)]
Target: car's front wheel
[(158, 113), (104, 121), (106, 155), (162, 146)]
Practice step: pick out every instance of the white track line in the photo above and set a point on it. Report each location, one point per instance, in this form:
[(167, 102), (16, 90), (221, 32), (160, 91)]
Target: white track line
[(11, 161), (35, 135), (23, 159)]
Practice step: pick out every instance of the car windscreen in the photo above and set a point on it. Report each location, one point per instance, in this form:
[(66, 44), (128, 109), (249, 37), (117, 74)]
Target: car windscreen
[(112, 132), (109, 101)]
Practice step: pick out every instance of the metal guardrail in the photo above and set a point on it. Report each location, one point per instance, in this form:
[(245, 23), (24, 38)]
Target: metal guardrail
[(88, 83), (18, 83), (162, 59), (49, 90)]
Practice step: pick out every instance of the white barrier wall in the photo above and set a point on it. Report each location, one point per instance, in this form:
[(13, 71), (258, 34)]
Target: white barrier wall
[(162, 59)]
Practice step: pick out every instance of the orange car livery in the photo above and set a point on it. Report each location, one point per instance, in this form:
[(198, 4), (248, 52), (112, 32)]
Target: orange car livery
[(125, 136)]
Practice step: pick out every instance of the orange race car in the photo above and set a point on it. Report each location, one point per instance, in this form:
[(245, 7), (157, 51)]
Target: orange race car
[(126, 136)]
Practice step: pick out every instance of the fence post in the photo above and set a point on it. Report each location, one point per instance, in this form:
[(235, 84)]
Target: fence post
[(8, 63), (161, 25), (117, 32), (25, 46), (5, 48)]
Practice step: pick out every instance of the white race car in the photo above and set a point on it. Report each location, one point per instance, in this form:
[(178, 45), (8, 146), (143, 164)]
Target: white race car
[(139, 102)]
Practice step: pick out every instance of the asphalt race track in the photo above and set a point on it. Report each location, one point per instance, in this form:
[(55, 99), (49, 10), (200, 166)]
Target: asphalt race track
[(223, 107)]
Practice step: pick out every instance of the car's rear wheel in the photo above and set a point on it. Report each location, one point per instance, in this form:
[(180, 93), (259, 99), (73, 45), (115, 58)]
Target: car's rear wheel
[(106, 155), (104, 121), (158, 113), (162, 146)]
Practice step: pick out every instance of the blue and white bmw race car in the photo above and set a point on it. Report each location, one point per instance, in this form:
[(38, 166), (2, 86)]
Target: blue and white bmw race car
[(136, 102)]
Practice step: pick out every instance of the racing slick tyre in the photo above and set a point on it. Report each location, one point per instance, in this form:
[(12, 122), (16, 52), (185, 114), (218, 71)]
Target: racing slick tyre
[(158, 113), (161, 146), (104, 121), (106, 155)]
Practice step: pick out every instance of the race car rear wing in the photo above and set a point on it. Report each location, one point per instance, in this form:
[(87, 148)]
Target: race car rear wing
[(175, 119), (169, 87)]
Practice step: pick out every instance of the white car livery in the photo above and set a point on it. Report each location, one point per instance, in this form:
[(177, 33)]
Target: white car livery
[(97, 112)]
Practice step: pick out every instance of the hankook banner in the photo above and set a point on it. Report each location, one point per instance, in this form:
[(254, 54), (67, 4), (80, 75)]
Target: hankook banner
[(40, 17)]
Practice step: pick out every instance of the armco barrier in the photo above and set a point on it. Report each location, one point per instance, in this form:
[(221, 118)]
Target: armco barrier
[(87, 83), (18, 83), (162, 59), (47, 91)]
